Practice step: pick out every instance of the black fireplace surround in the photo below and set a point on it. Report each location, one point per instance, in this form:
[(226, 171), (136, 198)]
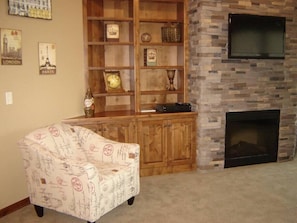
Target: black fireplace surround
[(251, 137)]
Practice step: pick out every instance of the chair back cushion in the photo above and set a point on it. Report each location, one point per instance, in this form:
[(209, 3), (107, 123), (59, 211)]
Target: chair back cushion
[(59, 139)]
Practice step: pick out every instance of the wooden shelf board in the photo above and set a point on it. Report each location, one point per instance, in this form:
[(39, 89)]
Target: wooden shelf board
[(164, 1), (111, 68), (116, 19), (162, 44), (106, 94), (166, 21), (164, 92), (103, 43), (162, 67)]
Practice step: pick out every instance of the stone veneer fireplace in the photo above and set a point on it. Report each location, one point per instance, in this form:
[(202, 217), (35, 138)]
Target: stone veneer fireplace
[(218, 85)]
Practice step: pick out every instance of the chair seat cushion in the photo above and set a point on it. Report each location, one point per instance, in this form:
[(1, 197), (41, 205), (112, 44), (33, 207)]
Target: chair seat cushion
[(111, 170)]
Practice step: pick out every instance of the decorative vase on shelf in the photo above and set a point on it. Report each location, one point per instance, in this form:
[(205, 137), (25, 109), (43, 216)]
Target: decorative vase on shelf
[(89, 104), (170, 75)]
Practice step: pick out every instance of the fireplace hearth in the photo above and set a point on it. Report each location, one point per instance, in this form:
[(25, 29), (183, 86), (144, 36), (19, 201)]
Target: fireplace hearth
[(251, 137)]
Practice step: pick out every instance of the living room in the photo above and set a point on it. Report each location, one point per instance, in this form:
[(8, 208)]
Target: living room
[(39, 100)]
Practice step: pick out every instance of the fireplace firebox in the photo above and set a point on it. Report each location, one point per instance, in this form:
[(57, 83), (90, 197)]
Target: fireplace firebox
[(251, 137)]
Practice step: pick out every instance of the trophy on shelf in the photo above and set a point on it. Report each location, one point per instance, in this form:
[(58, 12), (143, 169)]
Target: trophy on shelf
[(170, 75)]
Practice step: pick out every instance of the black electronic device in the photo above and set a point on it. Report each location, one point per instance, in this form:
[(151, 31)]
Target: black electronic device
[(173, 107), (256, 36)]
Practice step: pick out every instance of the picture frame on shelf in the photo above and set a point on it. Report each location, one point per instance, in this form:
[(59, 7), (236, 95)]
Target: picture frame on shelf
[(113, 81), (150, 57), (112, 32), (31, 9)]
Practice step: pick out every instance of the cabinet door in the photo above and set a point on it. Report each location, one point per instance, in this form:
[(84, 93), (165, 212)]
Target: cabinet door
[(152, 141), (120, 131), (92, 126), (181, 141)]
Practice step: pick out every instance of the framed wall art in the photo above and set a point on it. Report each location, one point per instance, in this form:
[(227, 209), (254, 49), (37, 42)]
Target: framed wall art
[(31, 8), (47, 58), (11, 46)]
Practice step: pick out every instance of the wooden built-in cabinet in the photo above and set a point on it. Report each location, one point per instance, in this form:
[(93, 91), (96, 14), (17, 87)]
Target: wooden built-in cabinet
[(144, 86), (167, 141)]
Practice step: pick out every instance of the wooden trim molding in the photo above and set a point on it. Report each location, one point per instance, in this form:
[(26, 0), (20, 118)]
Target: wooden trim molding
[(14, 207)]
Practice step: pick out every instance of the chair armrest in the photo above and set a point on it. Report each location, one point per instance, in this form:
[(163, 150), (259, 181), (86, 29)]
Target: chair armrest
[(101, 149)]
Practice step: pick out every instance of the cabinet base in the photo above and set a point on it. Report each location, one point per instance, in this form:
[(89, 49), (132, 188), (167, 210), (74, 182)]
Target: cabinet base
[(166, 170)]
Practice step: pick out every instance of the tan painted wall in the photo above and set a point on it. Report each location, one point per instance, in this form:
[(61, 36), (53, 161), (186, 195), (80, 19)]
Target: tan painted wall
[(38, 100)]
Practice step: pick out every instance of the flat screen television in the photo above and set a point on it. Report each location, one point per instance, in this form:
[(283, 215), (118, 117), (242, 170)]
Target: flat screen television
[(256, 37)]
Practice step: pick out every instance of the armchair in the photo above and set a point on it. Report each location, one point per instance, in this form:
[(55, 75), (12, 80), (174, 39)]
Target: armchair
[(75, 171)]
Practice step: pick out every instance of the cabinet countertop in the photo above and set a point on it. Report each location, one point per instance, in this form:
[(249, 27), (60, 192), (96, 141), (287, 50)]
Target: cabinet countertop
[(113, 115)]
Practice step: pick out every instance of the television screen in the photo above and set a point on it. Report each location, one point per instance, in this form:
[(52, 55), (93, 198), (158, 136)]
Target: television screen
[(254, 36)]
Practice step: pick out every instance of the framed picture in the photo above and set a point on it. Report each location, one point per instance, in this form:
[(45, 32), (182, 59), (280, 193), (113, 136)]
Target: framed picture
[(47, 58), (31, 8), (112, 32), (113, 81), (150, 57), (11, 47)]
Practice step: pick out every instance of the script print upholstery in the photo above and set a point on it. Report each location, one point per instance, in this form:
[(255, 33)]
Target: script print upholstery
[(75, 171)]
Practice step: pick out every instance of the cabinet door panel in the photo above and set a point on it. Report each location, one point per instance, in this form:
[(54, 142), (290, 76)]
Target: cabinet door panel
[(94, 127), (180, 135), (119, 131), (151, 138)]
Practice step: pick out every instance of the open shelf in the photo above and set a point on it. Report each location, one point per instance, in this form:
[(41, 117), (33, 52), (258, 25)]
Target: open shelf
[(143, 85)]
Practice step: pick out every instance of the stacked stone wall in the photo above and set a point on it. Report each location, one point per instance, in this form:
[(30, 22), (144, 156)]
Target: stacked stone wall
[(218, 84)]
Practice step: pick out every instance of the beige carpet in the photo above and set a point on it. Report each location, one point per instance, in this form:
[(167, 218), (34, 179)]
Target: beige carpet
[(258, 194)]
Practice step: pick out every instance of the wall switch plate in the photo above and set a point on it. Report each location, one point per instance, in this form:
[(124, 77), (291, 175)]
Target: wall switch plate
[(8, 98)]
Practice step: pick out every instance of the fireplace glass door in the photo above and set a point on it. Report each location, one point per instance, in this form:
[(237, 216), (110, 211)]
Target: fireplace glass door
[(251, 137)]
